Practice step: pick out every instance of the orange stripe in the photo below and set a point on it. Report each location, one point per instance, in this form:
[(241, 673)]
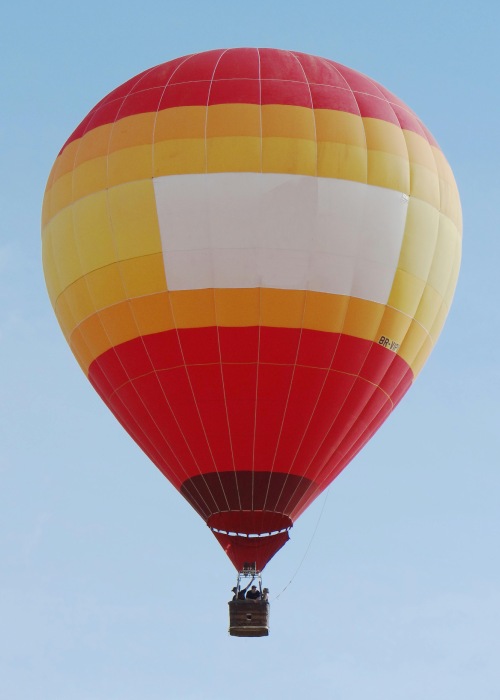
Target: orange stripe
[(348, 147), (163, 311)]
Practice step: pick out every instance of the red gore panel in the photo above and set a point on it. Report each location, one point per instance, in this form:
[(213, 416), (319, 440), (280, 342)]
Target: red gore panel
[(258, 550), (235, 428)]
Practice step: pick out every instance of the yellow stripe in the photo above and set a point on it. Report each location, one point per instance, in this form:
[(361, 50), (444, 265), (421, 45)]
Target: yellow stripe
[(428, 265), (448, 240), (59, 196), (59, 243), (383, 136), (450, 199), (132, 210), (455, 269), (419, 241), (65, 162), (179, 157), (424, 185), (243, 154), (89, 177), (130, 164), (296, 140), (388, 170), (416, 347), (106, 286), (99, 230), (234, 154), (286, 155), (84, 248), (341, 161)]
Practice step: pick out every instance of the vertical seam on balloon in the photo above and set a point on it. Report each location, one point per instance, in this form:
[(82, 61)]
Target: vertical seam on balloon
[(314, 475), (334, 451), (155, 121), (358, 376), (207, 106), (441, 215), (51, 243), (84, 340), (214, 296), (346, 311), (259, 328), (260, 114), (327, 375), (166, 441), (331, 66), (452, 280), (210, 253), (350, 296), (427, 330), (316, 487), (73, 230), (132, 311), (290, 386), (364, 361), (225, 401), (178, 334), (160, 462), (353, 93), (449, 282), (186, 59), (306, 291), (389, 103), (176, 326), (371, 428), (397, 266), (84, 276)]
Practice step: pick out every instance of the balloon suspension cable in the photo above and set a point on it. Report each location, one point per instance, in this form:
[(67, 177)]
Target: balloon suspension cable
[(308, 546)]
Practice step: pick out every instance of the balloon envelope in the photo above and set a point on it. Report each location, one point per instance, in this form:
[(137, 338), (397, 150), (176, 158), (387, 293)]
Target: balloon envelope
[(251, 253)]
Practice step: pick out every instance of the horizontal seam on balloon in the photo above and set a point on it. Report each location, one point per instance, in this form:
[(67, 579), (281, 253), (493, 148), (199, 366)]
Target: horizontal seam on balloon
[(438, 293), (412, 320), (223, 325), (167, 291), (236, 135), (298, 82), (268, 364), (104, 267), (250, 104), (100, 191), (127, 300), (244, 172)]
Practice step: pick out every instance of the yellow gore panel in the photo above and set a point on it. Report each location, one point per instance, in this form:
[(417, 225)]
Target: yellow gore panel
[(132, 208), (293, 156), (94, 232)]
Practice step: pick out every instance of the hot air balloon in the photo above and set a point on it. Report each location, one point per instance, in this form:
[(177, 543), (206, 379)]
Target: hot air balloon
[(251, 253)]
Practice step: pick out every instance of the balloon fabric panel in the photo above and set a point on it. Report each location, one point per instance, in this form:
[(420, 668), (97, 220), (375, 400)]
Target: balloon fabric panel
[(251, 253)]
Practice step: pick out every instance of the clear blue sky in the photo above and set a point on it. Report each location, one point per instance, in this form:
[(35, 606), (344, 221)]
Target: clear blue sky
[(111, 588)]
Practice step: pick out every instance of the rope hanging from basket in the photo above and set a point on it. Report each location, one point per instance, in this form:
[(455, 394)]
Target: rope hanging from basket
[(308, 546)]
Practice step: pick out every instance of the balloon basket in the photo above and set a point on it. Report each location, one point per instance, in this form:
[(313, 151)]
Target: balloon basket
[(248, 618)]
